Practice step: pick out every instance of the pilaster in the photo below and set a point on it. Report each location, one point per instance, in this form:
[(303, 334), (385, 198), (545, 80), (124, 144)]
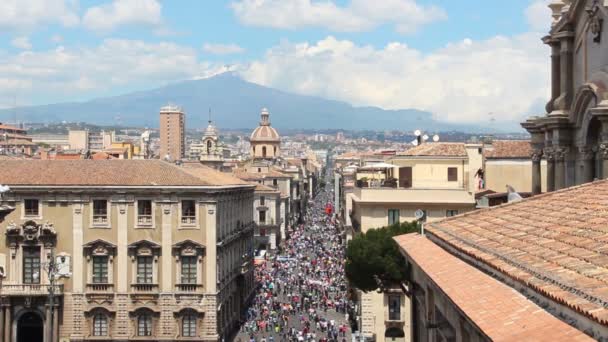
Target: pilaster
[(122, 255), (167, 260), (78, 241)]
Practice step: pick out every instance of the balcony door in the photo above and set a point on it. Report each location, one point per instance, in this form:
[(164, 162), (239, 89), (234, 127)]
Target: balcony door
[(31, 265), (405, 177)]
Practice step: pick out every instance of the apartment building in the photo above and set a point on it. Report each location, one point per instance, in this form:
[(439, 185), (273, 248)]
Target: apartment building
[(14, 140), (172, 133), (144, 250)]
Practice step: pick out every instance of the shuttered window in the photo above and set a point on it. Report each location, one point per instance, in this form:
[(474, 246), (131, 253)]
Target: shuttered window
[(452, 174)]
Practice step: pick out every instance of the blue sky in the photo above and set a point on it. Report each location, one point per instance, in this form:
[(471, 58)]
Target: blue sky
[(457, 59)]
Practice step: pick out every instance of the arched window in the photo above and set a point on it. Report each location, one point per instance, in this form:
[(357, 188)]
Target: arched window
[(275, 151), (189, 325), (144, 324), (209, 146), (100, 325), (263, 151)]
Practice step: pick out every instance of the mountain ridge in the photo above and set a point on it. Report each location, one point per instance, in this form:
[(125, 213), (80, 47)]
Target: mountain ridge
[(234, 103)]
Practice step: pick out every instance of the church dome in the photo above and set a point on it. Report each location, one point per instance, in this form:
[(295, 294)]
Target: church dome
[(211, 131), (264, 132)]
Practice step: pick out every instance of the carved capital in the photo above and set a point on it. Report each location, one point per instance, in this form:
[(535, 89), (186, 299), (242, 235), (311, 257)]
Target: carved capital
[(548, 152), (536, 155), (585, 153), (603, 149), (560, 153)]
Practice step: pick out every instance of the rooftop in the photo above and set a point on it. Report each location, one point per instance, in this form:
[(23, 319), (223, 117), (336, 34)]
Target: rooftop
[(499, 311), (508, 149), (436, 149), (554, 243), (86, 172)]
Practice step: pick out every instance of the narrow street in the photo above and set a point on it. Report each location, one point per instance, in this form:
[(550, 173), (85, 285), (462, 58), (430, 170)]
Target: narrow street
[(302, 294)]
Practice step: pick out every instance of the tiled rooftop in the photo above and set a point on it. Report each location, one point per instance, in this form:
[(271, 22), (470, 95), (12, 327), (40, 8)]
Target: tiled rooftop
[(509, 149), (109, 173), (555, 243), (436, 149), (500, 312)]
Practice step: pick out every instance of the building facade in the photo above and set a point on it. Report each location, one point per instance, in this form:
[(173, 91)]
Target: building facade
[(144, 249), (172, 133), (573, 135)]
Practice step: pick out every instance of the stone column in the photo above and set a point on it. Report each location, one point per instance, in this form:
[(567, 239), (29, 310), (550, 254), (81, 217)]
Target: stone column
[(555, 71), (55, 323), (601, 113), (548, 152), (566, 64), (536, 173), (1, 318), (560, 167), (585, 171), (47, 324), (7, 322)]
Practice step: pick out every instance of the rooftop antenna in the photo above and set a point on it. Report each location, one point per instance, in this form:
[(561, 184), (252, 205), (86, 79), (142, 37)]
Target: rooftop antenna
[(210, 115)]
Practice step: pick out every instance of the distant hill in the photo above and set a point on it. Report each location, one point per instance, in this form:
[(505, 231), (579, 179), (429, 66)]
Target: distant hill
[(234, 103)]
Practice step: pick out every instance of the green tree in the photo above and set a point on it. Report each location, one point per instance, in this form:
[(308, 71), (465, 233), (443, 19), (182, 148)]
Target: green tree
[(373, 258)]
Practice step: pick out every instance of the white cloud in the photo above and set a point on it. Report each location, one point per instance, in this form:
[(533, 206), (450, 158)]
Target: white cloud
[(22, 43), (109, 16), (538, 15), (94, 71), (27, 14), (358, 15), (463, 81), (222, 49)]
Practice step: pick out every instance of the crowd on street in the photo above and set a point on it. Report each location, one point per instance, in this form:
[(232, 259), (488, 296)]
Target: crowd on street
[(302, 288)]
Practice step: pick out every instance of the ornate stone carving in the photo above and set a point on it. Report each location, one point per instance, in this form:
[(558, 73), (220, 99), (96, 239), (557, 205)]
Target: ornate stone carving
[(536, 155), (560, 153), (13, 229), (603, 149), (48, 228), (595, 22), (585, 153), (548, 152)]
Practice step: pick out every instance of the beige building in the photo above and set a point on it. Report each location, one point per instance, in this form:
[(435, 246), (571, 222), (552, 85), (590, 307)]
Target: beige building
[(145, 250), (433, 179), (172, 133), (573, 135), (86, 140), (265, 140), (267, 217)]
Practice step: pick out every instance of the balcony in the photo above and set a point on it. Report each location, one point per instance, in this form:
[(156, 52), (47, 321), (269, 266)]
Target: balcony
[(100, 288), (435, 195), (188, 288), (144, 220), (188, 220), (144, 288), (28, 290)]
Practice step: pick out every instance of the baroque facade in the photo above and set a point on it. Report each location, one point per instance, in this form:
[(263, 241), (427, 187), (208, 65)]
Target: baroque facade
[(144, 250), (573, 136)]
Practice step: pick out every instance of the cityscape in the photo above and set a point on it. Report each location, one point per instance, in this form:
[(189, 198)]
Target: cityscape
[(303, 171)]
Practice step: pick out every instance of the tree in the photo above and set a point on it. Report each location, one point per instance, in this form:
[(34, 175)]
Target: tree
[(373, 258)]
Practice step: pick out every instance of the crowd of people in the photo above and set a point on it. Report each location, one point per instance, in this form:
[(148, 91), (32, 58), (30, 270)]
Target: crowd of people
[(302, 288)]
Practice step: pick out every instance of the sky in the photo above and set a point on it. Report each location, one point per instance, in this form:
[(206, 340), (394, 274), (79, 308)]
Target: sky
[(468, 61)]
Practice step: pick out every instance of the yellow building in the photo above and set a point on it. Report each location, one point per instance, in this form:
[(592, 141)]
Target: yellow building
[(145, 250), (507, 162)]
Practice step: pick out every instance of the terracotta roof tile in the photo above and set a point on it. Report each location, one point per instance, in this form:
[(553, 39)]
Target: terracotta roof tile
[(555, 243), (499, 311), (439, 149), (509, 149), (109, 173)]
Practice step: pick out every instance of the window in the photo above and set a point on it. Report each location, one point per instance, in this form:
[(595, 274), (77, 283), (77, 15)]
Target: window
[(394, 308), (144, 212), (188, 212), (262, 231), (100, 269), (452, 174), (450, 213), (259, 169), (31, 265), (262, 200), (144, 270), (188, 269), (100, 211), (274, 182), (262, 216), (189, 325), (31, 207), (393, 216), (100, 325), (144, 324)]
